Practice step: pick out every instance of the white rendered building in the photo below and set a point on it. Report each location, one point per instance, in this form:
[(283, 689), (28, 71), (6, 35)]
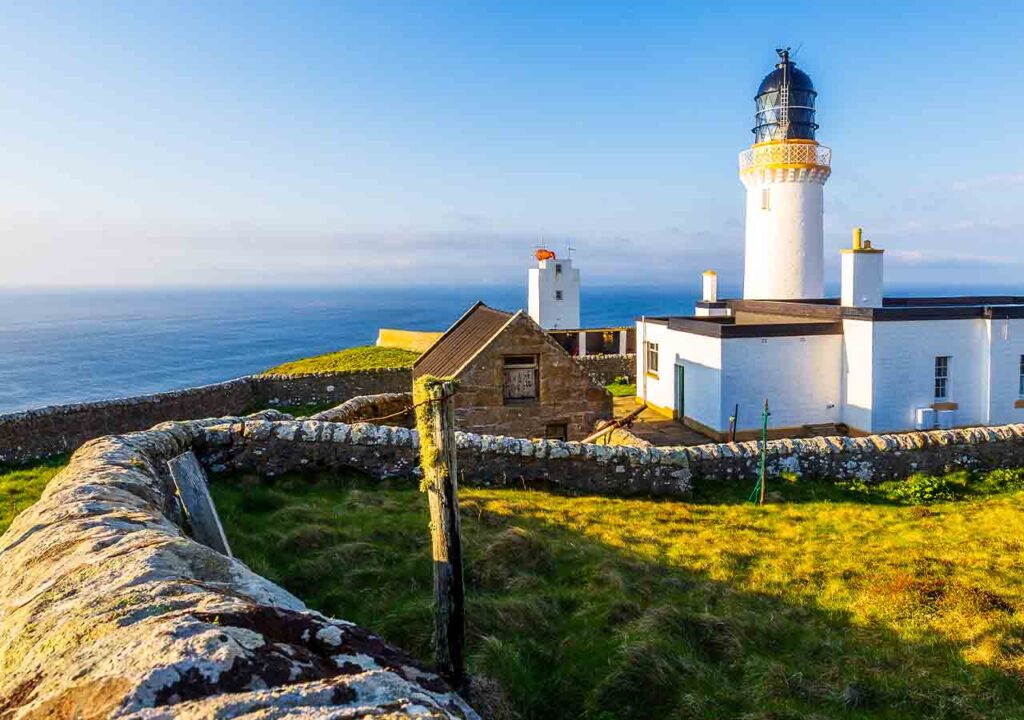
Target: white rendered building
[(554, 292), (869, 363)]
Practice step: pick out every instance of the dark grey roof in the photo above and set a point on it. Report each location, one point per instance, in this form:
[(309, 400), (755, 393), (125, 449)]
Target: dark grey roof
[(461, 342)]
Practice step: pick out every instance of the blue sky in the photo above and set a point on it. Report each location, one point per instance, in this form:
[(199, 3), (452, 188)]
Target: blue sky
[(431, 142)]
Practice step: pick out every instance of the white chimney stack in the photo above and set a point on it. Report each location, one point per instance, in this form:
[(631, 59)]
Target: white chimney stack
[(709, 305), (862, 282), (710, 286)]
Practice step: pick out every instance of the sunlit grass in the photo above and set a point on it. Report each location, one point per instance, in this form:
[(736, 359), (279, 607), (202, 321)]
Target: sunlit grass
[(831, 601), (20, 486), (369, 357)]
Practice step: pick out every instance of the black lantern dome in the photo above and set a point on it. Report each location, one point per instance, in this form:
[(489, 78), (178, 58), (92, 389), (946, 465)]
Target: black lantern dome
[(785, 104)]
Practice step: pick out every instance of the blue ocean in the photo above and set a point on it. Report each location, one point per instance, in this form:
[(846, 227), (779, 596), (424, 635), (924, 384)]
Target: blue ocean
[(72, 346)]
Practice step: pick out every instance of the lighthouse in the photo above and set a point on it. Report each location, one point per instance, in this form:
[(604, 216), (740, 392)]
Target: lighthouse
[(784, 172)]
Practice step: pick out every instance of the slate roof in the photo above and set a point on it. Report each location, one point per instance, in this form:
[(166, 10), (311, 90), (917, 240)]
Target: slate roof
[(461, 341)]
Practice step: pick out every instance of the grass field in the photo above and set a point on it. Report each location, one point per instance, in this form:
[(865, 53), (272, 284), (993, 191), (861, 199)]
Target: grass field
[(837, 602), (621, 389), (897, 601), (369, 357), (22, 486)]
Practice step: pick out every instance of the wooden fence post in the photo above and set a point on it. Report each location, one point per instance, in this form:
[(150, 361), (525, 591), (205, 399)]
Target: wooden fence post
[(435, 422)]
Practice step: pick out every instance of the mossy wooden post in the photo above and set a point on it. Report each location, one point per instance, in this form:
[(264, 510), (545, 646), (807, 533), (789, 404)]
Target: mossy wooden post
[(435, 422)]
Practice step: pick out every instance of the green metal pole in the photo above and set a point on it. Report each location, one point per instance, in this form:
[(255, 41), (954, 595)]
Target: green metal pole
[(764, 451)]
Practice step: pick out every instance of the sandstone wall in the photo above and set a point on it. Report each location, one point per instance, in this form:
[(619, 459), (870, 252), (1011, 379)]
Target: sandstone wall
[(108, 609), (605, 368), (62, 428), (567, 394)]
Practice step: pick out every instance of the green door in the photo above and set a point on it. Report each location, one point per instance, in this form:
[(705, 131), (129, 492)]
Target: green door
[(680, 392)]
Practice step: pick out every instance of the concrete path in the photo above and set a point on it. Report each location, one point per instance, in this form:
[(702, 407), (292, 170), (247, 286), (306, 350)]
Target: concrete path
[(657, 429)]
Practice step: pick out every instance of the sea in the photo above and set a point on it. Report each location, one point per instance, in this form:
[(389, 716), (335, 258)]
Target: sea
[(67, 346)]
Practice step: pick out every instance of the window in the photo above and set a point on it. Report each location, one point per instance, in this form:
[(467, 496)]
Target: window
[(766, 198), (942, 377), (558, 268), (1020, 378), (557, 431), (558, 294), (521, 379), (652, 357)]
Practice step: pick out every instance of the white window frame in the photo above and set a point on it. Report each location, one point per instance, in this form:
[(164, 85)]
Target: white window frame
[(1020, 378), (651, 352), (766, 198), (942, 376)]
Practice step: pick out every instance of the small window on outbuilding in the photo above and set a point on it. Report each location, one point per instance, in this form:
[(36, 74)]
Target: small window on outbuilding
[(942, 377), (766, 198), (556, 431), (521, 379), (651, 353)]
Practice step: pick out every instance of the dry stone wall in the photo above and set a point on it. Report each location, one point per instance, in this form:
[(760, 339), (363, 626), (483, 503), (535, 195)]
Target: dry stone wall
[(284, 446), (62, 428), (276, 447), (875, 458), (605, 368), (108, 609), (382, 409)]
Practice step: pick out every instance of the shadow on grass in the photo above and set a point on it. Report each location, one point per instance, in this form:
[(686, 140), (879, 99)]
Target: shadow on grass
[(588, 607)]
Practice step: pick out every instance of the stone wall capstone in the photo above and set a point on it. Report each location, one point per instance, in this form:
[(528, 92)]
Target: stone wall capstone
[(382, 409), (108, 609)]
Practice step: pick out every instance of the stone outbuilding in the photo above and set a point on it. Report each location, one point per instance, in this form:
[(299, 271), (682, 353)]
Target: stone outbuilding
[(514, 379)]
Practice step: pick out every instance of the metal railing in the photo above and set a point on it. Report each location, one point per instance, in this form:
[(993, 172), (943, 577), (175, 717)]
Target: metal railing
[(785, 154)]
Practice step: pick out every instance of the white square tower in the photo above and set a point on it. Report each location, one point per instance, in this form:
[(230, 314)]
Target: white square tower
[(554, 298)]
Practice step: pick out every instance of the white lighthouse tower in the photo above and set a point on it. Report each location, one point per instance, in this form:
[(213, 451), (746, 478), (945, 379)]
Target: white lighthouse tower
[(554, 295), (785, 172)]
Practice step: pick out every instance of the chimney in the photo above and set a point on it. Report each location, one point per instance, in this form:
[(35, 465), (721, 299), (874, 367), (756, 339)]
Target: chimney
[(862, 273), (710, 286)]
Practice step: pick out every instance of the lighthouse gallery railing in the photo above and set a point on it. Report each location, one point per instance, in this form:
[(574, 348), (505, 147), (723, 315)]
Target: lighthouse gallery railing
[(786, 154)]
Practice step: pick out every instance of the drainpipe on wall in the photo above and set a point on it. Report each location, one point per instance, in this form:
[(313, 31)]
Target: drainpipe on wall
[(642, 350)]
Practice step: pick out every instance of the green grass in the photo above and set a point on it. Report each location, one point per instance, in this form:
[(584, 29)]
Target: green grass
[(901, 600), (369, 357), (832, 602), (621, 389), (20, 486)]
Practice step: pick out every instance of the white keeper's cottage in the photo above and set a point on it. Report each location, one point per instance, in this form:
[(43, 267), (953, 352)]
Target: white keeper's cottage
[(871, 363)]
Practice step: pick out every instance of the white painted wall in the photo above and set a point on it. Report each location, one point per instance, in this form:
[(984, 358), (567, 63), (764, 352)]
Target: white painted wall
[(784, 252), (701, 359), (1006, 340), (800, 376), (862, 281), (857, 380), (904, 370), (543, 304)]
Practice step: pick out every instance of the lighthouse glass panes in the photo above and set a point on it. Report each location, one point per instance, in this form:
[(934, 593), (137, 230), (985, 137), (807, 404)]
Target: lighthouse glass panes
[(785, 104), (942, 377)]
